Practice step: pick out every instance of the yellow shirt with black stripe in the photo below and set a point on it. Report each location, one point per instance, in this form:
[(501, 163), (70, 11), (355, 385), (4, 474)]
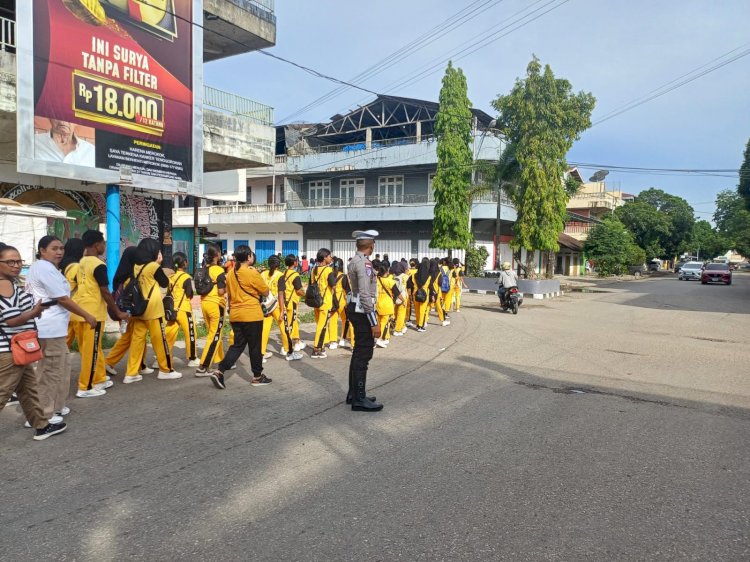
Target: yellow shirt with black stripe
[(150, 290), (217, 275), (182, 301), (92, 272)]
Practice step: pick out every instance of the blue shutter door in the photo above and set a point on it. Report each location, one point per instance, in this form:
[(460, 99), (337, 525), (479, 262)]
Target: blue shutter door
[(241, 243), (289, 247), (264, 249)]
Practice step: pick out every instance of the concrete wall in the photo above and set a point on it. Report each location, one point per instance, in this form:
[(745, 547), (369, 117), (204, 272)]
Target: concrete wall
[(231, 142)]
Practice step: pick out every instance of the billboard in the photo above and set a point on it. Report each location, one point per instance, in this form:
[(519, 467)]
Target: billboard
[(113, 92)]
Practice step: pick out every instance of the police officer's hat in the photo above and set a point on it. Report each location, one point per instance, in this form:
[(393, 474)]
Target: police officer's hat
[(364, 234)]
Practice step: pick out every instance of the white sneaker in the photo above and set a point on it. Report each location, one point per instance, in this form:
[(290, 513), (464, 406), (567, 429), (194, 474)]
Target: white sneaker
[(134, 378), (103, 385), (64, 412), (194, 363), (398, 333), (171, 375), (299, 346), (411, 324), (53, 420), (155, 364), (294, 356), (110, 369), (446, 322), (145, 371), (380, 343), (333, 345), (344, 343), (267, 355), (91, 393), (265, 360)]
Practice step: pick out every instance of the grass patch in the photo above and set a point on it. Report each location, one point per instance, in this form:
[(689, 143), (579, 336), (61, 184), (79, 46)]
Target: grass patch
[(108, 341), (307, 317)]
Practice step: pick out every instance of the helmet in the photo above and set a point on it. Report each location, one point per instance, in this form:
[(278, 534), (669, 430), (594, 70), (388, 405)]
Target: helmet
[(506, 266)]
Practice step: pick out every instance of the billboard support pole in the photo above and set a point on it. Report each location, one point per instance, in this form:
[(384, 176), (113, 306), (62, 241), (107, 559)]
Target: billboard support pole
[(113, 230), (196, 234)]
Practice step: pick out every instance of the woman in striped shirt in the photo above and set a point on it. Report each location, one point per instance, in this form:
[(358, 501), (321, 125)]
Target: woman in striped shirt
[(17, 314)]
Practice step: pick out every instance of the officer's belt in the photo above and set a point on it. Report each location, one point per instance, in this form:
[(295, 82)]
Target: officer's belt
[(355, 299)]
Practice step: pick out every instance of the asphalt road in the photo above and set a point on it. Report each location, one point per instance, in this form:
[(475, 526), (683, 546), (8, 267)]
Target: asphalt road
[(605, 425)]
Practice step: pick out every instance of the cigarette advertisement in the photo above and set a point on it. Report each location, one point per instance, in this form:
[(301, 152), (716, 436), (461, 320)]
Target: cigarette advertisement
[(111, 92)]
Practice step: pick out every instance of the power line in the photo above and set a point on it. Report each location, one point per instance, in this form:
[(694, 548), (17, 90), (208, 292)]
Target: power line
[(678, 82), (484, 41), (450, 24)]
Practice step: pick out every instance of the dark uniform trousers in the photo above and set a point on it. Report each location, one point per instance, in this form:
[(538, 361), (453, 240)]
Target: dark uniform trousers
[(364, 344)]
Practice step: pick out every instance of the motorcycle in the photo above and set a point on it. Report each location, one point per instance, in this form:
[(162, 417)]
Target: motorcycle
[(512, 300)]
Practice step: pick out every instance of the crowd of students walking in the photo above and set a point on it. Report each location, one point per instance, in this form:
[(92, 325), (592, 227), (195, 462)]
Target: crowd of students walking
[(66, 301)]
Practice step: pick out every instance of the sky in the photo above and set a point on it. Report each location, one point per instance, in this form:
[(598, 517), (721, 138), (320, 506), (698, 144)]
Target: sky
[(619, 50)]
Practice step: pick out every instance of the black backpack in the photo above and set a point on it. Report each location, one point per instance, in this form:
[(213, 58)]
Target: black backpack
[(420, 295), (313, 298), (131, 298), (202, 281)]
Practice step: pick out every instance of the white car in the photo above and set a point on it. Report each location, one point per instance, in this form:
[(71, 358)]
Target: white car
[(690, 270)]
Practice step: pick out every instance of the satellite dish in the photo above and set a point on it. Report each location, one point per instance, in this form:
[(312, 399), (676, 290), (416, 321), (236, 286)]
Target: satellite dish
[(599, 176)]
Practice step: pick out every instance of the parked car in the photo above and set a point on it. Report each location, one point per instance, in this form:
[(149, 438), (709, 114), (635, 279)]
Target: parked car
[(679, 265), (637, 270), (717, 273), (654, 265), (690, 270)]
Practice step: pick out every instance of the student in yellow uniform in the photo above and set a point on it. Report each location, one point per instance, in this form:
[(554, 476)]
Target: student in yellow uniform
[(289, 293), (245, 287), (149, 275), (323, 276), (401, 276), (274, 279), (459, 271), (446, 278), (411, 287), (181, 289), (340, 289), (213, 306), (422, 284), (436, 300), (384, 305), (72, 254), (93, 296), (123, 277)]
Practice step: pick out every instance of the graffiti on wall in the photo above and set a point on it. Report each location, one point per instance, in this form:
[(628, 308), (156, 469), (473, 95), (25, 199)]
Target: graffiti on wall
[(141, 217)]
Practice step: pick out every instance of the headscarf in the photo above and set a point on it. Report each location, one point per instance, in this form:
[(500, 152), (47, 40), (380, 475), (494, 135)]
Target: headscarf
[(125, 267), (423, 272)]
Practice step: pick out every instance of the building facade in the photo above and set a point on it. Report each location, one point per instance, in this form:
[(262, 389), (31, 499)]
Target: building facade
[(238, 132)]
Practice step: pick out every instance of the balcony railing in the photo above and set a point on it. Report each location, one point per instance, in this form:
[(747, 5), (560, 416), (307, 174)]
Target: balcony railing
[(238, 106), (357, 146), (230, 209), (8, 35), (382, 201), (578, 228), (264, 9)]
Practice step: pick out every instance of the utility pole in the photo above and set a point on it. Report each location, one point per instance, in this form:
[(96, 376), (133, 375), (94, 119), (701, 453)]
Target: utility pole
[(196, 233)]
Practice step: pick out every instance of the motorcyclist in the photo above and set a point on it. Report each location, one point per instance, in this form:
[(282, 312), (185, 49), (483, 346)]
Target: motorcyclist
[(506, 280)]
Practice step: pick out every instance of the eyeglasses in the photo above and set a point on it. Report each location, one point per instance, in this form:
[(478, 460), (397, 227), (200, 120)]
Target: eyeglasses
[(13, 263)]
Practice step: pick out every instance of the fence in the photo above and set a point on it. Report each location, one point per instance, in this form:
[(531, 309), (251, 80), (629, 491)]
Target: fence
[(8, 35), (238, 106)]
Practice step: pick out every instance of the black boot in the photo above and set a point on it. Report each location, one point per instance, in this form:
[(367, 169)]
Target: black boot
[(361, 402), (350, 392)]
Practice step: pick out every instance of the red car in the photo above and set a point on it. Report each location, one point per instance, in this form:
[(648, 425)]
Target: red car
[(716, 273)]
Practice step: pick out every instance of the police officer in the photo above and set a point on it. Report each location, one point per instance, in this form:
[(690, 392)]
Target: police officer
[(364, 320)]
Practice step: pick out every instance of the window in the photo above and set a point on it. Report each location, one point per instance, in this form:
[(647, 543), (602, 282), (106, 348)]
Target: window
[(390, 189), (352, 192), (430, 189), (320, 193), (269, 194)]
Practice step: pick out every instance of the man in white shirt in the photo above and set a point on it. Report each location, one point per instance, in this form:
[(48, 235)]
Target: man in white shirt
[(61, 144)]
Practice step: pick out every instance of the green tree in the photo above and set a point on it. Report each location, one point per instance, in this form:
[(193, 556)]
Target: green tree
[(743, 188), (733, 221), (451, 228), (612, 248), (661, 223), (476, 258), (706, 241), (542, 117)]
